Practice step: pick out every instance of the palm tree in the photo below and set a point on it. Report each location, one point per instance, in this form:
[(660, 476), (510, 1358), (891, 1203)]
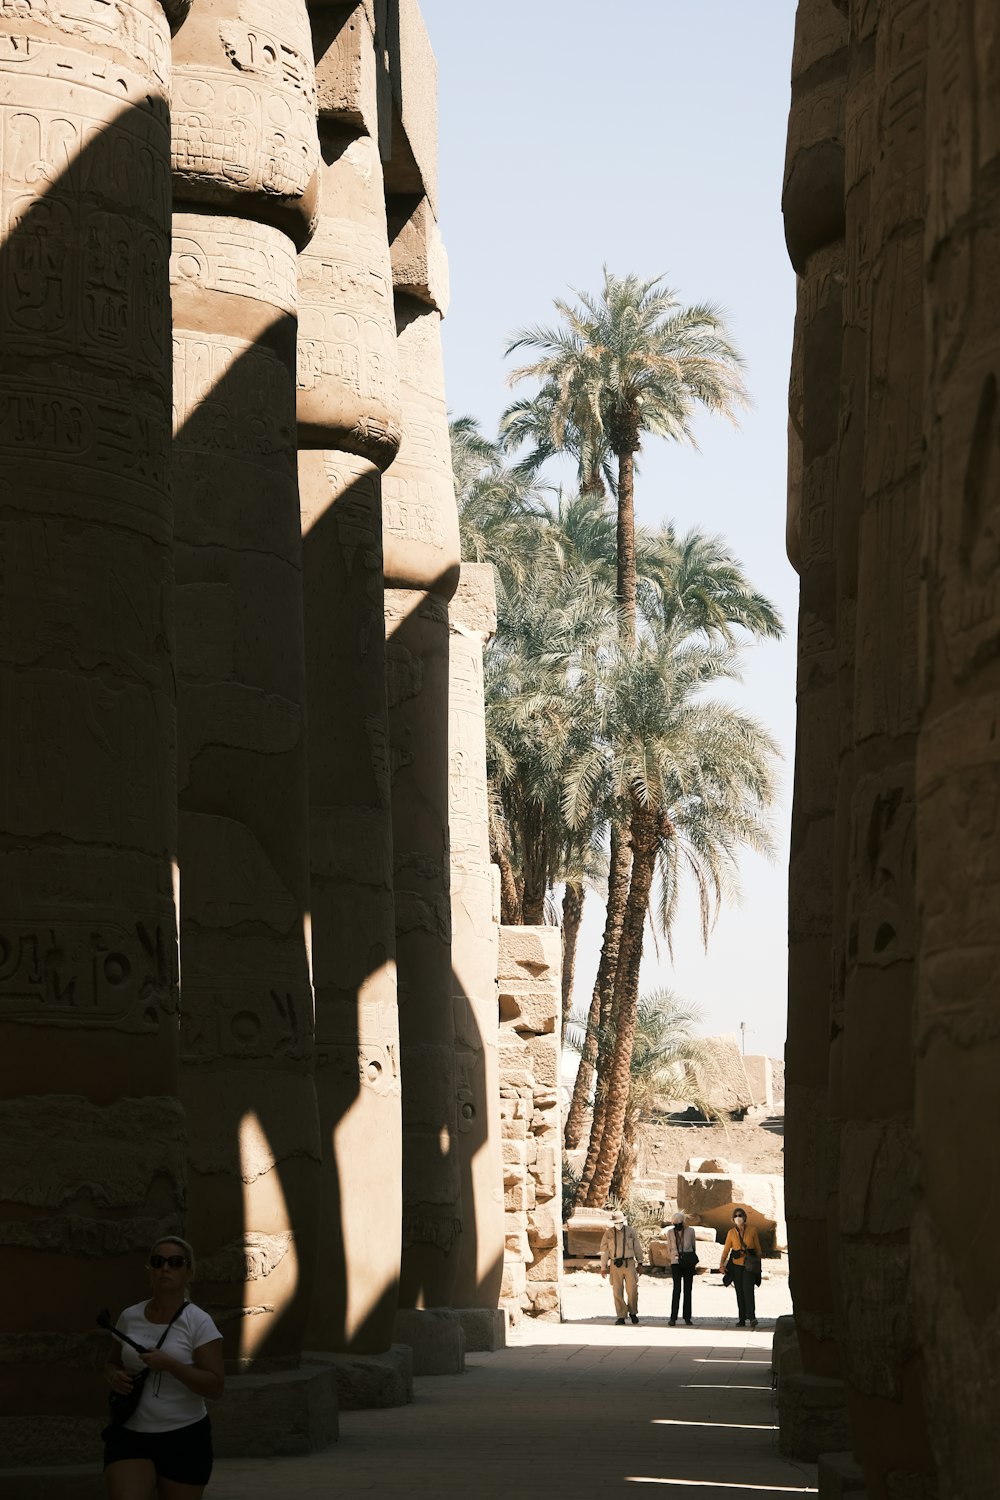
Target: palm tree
[(668, 1061), (632, 360), (695, 777), (688, 586)]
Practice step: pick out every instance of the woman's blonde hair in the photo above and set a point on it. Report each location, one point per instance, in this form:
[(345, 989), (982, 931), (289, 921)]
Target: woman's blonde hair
[(174, 1239)]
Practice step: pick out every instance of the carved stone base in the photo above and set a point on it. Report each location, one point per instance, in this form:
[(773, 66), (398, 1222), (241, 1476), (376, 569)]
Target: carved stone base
[(485, 1329), (369, 1381), (812, 1415), (840, 1475), (436, 1338), (279, 1415)]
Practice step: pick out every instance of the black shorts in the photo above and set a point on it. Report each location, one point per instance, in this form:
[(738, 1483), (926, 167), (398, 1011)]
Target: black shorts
[(183, 1455)]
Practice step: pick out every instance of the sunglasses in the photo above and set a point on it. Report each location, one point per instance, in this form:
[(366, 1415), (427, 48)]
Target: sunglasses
[(157, 1262)]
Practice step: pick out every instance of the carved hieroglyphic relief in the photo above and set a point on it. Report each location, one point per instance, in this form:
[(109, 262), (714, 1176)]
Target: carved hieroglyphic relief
[(347, 359), (219, 254), (419, 514), (244, 102)]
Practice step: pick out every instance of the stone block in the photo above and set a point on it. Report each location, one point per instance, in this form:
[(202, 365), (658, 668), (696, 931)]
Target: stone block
[(346, 66), (514, 1153), (516, 1245), (545, 1266), (485, 1329), (812, 1416), (585, 1230), (544, 1300), (784, 1345), (545, 1168), (758, 1071), (708, 1198), (515, 1279), (514, 1130), (279, 1415), (519, 1195), (717, 1166), (530, 954), (413, 76), (420, 269), (839, 1475), (369, 1382), (435, 1335), (544, 1227), (544, 1052)]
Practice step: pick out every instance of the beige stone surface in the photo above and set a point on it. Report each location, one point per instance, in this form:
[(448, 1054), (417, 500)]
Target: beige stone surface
[(244, 111), (417, 687), (348, 417), (709, 1199), (247, 1020), (243, 824), (347, 70), (348, 374), (419, 259), (413, 75), (420, 518), (88, 974), (475, 925)]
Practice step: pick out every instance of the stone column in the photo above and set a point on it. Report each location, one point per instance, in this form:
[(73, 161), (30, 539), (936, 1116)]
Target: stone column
[(91, 1137), (420, 536), (957, 1029), (877, 1180), (475, 946), (245, 158), (812, 203), (348, 409)]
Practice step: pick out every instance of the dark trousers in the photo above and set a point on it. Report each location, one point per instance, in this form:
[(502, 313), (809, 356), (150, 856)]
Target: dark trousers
[(685, 1278), (746, 1285)]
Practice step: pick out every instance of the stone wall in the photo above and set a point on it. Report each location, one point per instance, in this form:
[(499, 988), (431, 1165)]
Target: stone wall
[(530, 1041), (892, 212)]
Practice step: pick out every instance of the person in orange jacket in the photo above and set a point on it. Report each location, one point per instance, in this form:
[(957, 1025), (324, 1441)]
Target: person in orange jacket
[(741, 1264)]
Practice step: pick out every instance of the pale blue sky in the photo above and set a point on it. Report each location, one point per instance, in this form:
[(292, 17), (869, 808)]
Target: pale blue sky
[(650, 136)]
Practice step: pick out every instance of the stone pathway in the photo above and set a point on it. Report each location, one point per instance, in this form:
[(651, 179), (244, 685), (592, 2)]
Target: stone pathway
[(582, 1408)]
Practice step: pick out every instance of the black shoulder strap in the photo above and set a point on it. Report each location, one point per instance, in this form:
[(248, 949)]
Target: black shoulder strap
[(170, 1325)]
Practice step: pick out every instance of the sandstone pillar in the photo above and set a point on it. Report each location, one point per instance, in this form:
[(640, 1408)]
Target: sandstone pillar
[(812, 203), (91, 1139), (348, 410), (475, 948), (420, 534), (958, 773), (876, 1166), (245, 157)]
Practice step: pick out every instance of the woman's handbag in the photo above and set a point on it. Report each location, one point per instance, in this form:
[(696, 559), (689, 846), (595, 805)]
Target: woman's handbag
[(687, 1259), (751, 1263), (122, 1405)]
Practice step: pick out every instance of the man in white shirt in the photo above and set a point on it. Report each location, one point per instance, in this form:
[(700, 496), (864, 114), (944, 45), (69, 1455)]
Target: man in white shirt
[(621, 1259)]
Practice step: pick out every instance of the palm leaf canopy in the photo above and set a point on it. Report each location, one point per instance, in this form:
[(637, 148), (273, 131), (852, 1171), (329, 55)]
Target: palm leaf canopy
[(629, 361)]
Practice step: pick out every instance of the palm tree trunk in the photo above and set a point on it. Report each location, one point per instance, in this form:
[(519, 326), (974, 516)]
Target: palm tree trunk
[(624, 1173), (626, 547), (500, 853), (619, 870), (626, 999), (572, 916)]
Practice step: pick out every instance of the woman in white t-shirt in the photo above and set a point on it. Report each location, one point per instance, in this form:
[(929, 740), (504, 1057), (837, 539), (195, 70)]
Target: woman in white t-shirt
[(169, 1436)]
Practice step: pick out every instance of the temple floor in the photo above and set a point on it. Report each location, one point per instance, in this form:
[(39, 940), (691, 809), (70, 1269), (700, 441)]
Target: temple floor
[(582, 1408)]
